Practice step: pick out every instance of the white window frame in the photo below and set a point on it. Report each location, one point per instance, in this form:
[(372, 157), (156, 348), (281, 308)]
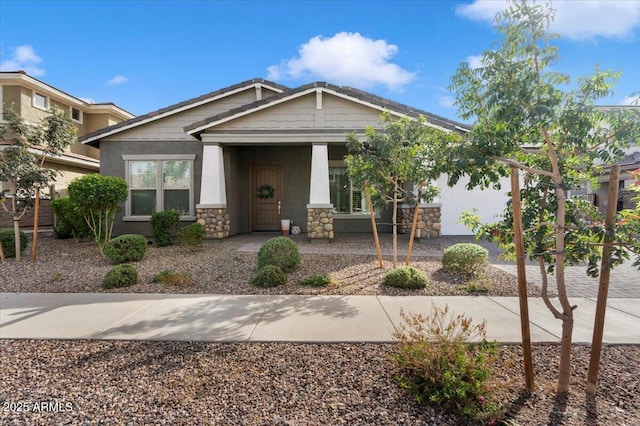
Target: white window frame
[(336, 215), (79, 120), (47, 101), (159, 158)]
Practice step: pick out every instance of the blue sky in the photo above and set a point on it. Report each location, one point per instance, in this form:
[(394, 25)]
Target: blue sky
[(145, 55)]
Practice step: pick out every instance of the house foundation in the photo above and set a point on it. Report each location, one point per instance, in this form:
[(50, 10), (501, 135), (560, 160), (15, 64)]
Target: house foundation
[(429, 221), (216, 222)]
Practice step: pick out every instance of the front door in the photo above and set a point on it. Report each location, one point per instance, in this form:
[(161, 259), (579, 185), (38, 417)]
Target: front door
[(266, 187)]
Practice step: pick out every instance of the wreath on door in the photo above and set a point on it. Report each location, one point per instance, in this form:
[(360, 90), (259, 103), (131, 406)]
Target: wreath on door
[(265, 192)]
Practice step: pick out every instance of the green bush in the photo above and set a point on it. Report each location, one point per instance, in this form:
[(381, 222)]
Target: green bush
[(269, 276), (439, 367), (70, 223), (316, 281), (191, 236), (465, 258), (406, 277), (163, 227), (120, 276), (126, 248), (8, 241), (279, 251)]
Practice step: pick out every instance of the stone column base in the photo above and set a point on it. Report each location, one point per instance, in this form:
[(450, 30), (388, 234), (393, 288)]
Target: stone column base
[(320, 223), (428, 225), (216, 222)]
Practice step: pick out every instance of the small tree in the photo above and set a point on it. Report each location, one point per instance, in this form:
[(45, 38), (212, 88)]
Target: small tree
[(526, 119), (404, 152), (98, 199), (22, 169)]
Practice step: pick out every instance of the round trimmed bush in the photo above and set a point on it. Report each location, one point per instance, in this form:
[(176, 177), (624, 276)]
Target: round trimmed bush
[(191, 236), (120, 276), (8, 241), (269, 276), (279, 251), (163, 226), (465, 258), (406, 277), (126, 248)]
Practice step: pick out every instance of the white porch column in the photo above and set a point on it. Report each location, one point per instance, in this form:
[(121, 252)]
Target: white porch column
[(213, 191), (319, 209), (319, 188)]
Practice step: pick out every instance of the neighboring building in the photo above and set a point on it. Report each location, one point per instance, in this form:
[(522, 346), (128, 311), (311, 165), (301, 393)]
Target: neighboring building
[(242, 158), (33, 98)]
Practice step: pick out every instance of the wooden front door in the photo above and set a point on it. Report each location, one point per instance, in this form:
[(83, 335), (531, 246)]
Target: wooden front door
[(266, 193)]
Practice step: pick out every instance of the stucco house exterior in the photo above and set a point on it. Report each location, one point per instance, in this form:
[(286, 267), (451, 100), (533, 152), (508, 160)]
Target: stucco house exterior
[(242, 158), (33, 99)]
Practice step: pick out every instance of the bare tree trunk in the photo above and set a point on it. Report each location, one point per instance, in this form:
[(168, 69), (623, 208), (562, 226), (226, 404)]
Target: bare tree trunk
[(603, 289), (36, 219), (16, 227), (414, 224), (395, 229), (376, 239)]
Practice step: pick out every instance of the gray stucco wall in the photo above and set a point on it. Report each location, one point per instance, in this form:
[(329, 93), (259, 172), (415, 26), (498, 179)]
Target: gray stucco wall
[(112, 164)]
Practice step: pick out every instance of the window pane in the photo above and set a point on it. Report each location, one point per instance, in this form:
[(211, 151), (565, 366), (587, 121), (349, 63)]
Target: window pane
[(339, 189), (142, 175), (39, 100), (176, 174), (177, 199), (143, 202), (359, 202)]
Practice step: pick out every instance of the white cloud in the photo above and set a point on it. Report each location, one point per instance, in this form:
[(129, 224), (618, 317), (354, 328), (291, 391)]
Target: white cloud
[(345, 59), (633, 99), (24, 58), (578, 20), (118, 79), (475, 61), (446, 101)]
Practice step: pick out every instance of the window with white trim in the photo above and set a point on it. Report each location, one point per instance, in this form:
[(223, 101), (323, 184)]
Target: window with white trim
[(346, 199), (159, 183), (40, 101)]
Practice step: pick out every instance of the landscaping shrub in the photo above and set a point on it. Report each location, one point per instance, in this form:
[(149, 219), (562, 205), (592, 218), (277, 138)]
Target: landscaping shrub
[(191, 236), (269, 276), (8, 241), (120, 276), (163, 227), (70, 223), (439, 367), (465, 258), (279, 251), (126, 248), (406, 277), (170, 277), (316, 281)]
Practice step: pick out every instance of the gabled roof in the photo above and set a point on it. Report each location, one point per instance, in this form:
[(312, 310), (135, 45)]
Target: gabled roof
[(179, 107), (23, 79), (349, 93)]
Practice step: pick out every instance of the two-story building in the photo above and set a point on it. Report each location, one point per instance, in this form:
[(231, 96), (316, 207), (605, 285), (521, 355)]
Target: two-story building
[(33, 99)]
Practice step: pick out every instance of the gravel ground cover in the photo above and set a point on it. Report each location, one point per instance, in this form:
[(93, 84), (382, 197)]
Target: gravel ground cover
[(66, 266), (121, 382)]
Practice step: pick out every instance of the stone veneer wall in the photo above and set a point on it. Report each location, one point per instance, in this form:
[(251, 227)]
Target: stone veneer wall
[(320, 223), (216, 222), (428, 225)]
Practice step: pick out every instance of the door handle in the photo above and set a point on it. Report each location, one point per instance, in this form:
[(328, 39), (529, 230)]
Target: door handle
[(279, 207)]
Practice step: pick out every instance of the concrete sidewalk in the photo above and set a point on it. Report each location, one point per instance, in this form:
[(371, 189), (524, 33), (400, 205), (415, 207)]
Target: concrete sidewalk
[(284, 318)]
